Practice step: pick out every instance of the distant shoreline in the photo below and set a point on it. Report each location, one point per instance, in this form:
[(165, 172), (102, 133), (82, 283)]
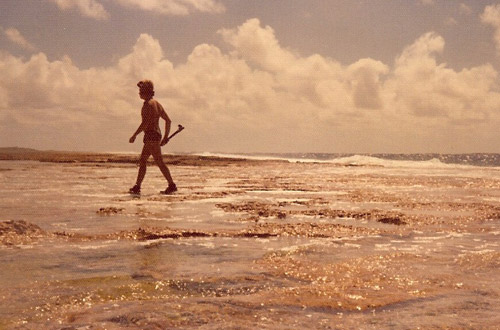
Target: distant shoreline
[(27, 154)]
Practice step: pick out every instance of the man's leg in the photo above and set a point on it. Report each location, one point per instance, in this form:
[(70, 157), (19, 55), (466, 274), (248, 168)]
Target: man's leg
[(156, 151), (143, 162)]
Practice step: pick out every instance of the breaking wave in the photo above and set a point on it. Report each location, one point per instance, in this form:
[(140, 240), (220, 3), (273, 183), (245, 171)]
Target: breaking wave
[(385, 160)]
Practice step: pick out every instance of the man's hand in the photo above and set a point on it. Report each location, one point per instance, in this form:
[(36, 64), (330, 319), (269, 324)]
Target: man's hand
[(164, 141), (132, 139)]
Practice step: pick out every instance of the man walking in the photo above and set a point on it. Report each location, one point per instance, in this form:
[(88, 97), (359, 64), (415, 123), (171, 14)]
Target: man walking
[(151, 112)]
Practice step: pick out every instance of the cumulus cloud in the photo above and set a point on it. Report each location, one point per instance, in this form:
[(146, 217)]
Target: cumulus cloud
[(175, 7), (423, 87), (427, 2), (94, 8), (365, 77), (258, 96), (464, 9), (88, 8), (450, 21), (16, 37), (259, 45), (491, 16)]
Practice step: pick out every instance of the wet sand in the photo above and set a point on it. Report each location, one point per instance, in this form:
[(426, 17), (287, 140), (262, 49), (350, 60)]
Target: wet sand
[(248, 245)]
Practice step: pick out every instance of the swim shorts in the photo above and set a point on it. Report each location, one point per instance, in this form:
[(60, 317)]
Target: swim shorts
[(151, 136)]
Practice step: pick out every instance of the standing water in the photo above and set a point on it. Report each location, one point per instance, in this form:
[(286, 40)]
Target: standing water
[(350, 243)]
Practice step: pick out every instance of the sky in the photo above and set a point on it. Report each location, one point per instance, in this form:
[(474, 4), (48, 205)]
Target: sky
[(366, 76)]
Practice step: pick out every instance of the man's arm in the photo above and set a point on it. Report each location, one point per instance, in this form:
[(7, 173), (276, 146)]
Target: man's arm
[(168, 124), (139, 130)]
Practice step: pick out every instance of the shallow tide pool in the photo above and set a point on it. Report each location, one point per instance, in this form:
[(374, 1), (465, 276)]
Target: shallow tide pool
[(267, 245)]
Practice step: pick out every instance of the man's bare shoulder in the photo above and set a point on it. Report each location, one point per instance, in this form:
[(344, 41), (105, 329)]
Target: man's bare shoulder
[(155, 104)]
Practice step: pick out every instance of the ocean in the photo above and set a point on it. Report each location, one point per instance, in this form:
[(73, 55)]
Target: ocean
[(474, 159)]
